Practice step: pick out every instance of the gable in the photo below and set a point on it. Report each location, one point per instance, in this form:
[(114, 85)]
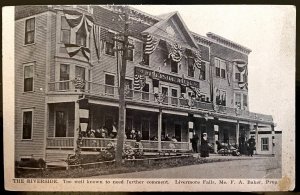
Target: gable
[(173, 29)]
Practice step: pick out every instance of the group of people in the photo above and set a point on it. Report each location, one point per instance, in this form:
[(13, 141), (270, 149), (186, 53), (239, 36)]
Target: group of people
[(103, 132)]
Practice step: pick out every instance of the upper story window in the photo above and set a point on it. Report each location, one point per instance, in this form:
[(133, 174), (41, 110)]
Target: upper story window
[(174, 66), (109, 84), (65, 31), (245, 102), (81, 39), (202, 71), (27, 124), (110, 44), (29, 31), (220, 68), (80, 72), (221, 98), (64, 76), (191, 70), (130, 51), (28, 77), (238, 100)]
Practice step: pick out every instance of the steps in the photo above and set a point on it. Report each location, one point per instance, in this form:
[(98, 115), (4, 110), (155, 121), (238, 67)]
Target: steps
[(57, 158)]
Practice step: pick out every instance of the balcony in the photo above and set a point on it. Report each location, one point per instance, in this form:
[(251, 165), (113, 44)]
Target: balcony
[(151, 99)]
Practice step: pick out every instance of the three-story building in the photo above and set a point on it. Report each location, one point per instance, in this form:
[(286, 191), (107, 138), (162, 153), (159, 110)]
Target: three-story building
[(178, 83)]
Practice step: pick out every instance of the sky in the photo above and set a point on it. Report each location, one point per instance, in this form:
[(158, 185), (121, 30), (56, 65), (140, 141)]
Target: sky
[(269, 31)]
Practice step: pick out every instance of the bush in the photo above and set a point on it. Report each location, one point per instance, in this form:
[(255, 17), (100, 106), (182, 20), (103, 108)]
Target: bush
[(33, 163)]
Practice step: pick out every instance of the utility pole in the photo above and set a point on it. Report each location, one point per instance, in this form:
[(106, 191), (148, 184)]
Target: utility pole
[(122, 105)]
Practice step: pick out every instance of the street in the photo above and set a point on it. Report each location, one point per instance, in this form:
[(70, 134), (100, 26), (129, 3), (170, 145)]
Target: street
[(267, 167)]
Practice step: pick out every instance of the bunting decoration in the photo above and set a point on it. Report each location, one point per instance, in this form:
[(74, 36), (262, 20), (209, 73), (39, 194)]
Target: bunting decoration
[(242, 68), (229, 72), (175, 52), (197, 60), (151, 44), (73, 49), (139, 82), (97, 40), (80, 24), (196, 91)]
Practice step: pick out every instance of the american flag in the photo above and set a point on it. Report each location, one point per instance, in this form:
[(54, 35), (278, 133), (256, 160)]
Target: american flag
[(97, 39), (150, 44), (139, 82)]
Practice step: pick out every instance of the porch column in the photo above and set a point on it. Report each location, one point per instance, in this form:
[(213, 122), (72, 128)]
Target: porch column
[(216, 136), (256, 136), (237, 132), (159, 129), (273, 139), (76, 125)]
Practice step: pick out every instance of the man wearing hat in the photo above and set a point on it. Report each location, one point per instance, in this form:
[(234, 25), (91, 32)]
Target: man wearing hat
[(251, 145)]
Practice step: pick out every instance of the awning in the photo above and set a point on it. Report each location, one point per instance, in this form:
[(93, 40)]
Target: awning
[(202, 116), (174, 112)]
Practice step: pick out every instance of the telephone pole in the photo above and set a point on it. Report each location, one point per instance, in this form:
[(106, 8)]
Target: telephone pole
[(122, 105)]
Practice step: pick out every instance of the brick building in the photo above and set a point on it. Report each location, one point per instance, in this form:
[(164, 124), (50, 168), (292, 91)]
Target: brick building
[(174, 77)]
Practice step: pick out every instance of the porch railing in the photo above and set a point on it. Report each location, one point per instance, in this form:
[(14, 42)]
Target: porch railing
[(102, 143), (110, 91), (60, 142)]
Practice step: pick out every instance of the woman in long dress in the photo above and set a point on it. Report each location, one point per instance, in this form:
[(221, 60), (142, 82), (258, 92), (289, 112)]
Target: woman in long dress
[(204, 149)]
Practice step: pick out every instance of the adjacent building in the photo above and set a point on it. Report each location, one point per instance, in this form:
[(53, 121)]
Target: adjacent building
[(178, 83)]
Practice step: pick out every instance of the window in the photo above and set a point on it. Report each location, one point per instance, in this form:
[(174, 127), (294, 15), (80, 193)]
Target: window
[(145, 129), (174, 66), (237, 76), (220, 98), (130, 51), (60, 124), (29, 31), (164, 91), (64, 76), (110, 44), (109, 84), (81, 39), (220, 68), (128, 88), (265, 144), (80, 72), (191, 69), (27, 125), (202, 71), (145, 94), (65, 31), (174, 99), (238, 100), (28, 77), (245, 102)]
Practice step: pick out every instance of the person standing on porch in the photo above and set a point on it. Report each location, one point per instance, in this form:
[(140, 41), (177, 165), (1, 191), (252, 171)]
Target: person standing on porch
[(251, 145), (204, 149), (195, 140)]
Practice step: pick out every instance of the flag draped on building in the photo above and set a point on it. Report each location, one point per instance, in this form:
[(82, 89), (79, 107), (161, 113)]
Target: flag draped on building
[(139, 82), (150, 44), (175, 52), (80, 24), (97, 40), (83, 114), (197, 91), (229, 72), (242, 68), (197, 60)]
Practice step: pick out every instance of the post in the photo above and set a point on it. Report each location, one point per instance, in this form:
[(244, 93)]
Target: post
[(256, 136), (76, 125), (237, 133), (216, 132), (121, 126), (159, 129), (273, 140)]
